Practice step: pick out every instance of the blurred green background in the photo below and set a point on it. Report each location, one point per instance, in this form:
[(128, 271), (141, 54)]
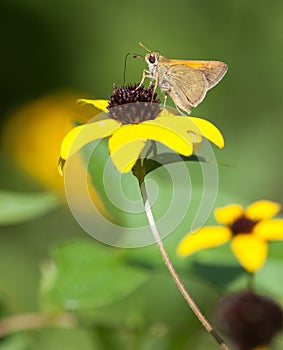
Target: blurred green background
[(53, 52)]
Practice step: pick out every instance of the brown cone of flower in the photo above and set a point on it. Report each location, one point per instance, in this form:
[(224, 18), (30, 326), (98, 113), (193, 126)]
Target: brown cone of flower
[(132, 104), (250, 320)]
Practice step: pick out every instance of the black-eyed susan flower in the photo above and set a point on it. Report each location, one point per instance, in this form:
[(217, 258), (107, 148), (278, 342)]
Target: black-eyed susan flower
[(249, 230), (131, 117), (250, 320)]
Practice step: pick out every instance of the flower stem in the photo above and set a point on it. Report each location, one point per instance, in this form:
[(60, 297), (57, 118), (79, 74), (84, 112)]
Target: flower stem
[(190, 301)]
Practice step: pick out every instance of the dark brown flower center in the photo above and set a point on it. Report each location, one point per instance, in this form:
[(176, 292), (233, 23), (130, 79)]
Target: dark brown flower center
[(242, 225), (132, 104), (250, 320)]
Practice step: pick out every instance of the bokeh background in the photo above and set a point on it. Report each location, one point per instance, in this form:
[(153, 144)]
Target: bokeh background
[(53, 52)]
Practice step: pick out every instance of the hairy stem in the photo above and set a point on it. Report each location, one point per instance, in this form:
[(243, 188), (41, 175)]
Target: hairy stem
[(190, 301)]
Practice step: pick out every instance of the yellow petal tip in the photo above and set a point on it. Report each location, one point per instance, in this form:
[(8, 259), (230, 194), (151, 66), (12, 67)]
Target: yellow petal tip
[(81, 102), (99, 104), (262, 210), (228, 214)]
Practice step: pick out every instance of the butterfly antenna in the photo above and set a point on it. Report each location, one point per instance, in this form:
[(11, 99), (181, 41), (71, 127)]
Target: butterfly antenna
[(142, 45)]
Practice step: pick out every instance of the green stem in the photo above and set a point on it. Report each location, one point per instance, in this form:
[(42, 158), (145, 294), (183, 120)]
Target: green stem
[(250, 281), (190, 301)]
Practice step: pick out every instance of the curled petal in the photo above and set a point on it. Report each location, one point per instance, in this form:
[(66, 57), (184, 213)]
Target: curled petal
[(100, 104), (67, 142), (209, 131), (124, 156), (269, 230), (262, 210), (61, 165), (206, 237), (83, 134), (228, 214), (250, 250)]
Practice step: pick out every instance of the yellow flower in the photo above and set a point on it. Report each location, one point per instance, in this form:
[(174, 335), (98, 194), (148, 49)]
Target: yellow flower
[(248, 229), (33, 134), (129, 125)]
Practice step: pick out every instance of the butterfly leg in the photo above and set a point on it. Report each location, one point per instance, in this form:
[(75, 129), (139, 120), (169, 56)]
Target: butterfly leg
[(155, 83), (145, 74), (164, 102)]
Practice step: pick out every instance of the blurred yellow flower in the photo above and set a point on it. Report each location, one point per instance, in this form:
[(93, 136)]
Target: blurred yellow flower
[(33, 134), (128, 130), (248, 229)]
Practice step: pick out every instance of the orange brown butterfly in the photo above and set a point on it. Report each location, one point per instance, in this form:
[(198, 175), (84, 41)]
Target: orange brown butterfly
[(186, 82)]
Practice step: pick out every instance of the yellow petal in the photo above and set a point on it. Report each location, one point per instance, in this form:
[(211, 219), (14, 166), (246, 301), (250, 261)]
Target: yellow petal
[(262, 210), (197, 125), (149, 130), (228, 214), (182, 125), (83, 134), (100, 104), (125, 156), (166, 113), (174, 126), (170, 134), (209, 131), (250, 250), (270, 230), (206, 237), (67, 142)]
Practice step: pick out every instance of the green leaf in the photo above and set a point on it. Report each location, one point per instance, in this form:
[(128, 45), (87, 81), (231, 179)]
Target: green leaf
[(18, 207), (89, 275), (158, 314), (19, 341)]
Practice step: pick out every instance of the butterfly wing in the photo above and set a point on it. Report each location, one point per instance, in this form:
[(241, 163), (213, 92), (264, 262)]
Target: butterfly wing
[(213, 70), (188, 86)]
